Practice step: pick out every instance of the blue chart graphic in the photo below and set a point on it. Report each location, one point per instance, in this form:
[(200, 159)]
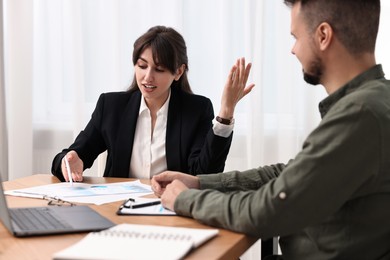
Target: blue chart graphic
[(96, 190)]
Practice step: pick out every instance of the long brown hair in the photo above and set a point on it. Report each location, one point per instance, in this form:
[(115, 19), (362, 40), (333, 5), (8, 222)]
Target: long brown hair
[(169, 50)]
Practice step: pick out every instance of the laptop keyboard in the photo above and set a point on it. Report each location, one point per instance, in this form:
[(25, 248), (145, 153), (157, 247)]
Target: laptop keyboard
[(36, 219)]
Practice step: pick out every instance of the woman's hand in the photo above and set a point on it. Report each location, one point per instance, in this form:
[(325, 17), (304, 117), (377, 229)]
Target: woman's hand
[(76, 166), (235, 88)]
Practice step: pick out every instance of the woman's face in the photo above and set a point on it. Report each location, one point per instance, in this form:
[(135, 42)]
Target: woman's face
[(153, 79)]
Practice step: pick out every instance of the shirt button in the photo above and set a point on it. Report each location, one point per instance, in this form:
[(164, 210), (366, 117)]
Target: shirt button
[(282, 195)]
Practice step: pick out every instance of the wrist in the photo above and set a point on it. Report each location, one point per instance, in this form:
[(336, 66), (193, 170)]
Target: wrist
[(226, 111), (197, 184)]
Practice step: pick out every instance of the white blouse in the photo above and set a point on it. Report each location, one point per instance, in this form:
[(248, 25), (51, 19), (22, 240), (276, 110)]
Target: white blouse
[(148, 156)]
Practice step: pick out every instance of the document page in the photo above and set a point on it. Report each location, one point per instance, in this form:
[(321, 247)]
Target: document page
[(86, 193)]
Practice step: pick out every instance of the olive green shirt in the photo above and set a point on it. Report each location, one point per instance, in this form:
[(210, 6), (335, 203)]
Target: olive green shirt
[(332, 201)]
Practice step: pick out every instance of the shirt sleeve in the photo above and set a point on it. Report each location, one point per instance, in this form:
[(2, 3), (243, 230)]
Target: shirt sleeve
[(222, 130), (339, 161)]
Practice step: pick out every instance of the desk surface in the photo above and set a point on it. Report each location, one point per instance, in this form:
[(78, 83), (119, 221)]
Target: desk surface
[(227, 245)]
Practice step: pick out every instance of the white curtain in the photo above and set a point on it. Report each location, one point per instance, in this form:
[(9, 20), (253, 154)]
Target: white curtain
[(75, 50), (82, 48), (3, 120), (18, 53), (61, 54)]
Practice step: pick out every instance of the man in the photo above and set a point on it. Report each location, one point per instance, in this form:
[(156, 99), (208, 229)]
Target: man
[(332, 200)]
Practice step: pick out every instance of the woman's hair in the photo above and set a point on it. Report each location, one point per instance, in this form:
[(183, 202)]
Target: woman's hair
[(169, 50), (355, 22)]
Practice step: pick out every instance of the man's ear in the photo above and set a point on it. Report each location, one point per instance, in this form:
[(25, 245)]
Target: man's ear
[(324, 36), (180, 71)]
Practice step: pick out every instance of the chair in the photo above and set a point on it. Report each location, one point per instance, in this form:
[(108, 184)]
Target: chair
[(269, 247), (101, 163)]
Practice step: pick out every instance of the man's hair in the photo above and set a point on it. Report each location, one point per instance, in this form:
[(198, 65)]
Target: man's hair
[(355, 22)]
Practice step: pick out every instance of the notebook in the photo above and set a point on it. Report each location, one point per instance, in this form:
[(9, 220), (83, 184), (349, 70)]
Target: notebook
[(50, 220), (130, 241)]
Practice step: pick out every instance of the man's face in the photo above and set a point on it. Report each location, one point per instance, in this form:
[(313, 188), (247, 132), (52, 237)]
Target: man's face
[(304, 48)]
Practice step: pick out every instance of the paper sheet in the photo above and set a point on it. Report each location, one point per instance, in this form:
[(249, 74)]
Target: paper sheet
[(86, 193)]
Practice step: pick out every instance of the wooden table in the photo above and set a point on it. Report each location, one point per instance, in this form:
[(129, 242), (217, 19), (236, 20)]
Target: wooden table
[(227, 245)]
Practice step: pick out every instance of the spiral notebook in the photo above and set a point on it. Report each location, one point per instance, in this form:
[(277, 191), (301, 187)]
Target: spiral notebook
[(130, 241)]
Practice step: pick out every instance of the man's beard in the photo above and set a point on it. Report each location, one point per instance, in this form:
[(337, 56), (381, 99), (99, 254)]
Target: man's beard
[(313, 76)]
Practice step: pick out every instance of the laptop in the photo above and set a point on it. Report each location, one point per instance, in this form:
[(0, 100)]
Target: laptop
[(50, 220)]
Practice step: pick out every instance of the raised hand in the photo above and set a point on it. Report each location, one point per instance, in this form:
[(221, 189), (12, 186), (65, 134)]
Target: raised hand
[(235, 88)]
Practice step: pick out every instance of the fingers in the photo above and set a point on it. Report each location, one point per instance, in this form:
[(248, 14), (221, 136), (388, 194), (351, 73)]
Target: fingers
[(239, 73), (156, 187), (64, 170), (235, 73), (160, 181), (166, 177), (75, 167), (77, 176), (242, 71), (247, 71), (172, 191), (248, 89), (232, 73), (244, 75)]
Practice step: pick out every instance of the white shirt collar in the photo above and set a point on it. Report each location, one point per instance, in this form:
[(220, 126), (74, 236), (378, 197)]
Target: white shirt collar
[(162, 111)]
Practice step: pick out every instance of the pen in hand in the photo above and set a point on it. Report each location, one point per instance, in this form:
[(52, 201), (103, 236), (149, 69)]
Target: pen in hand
[(68, 170)]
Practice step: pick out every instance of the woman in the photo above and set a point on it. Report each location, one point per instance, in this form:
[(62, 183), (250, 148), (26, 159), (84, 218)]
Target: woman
[(158, 124)]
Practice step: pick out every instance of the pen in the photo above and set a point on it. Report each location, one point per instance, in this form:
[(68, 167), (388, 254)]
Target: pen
[(141, 205), (68, 170)]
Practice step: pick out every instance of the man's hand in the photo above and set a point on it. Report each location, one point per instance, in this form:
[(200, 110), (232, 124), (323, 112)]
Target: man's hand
[(160, 182), (171, 192)]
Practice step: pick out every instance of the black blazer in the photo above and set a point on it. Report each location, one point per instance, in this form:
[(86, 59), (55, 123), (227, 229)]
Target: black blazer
[(191, 145)]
